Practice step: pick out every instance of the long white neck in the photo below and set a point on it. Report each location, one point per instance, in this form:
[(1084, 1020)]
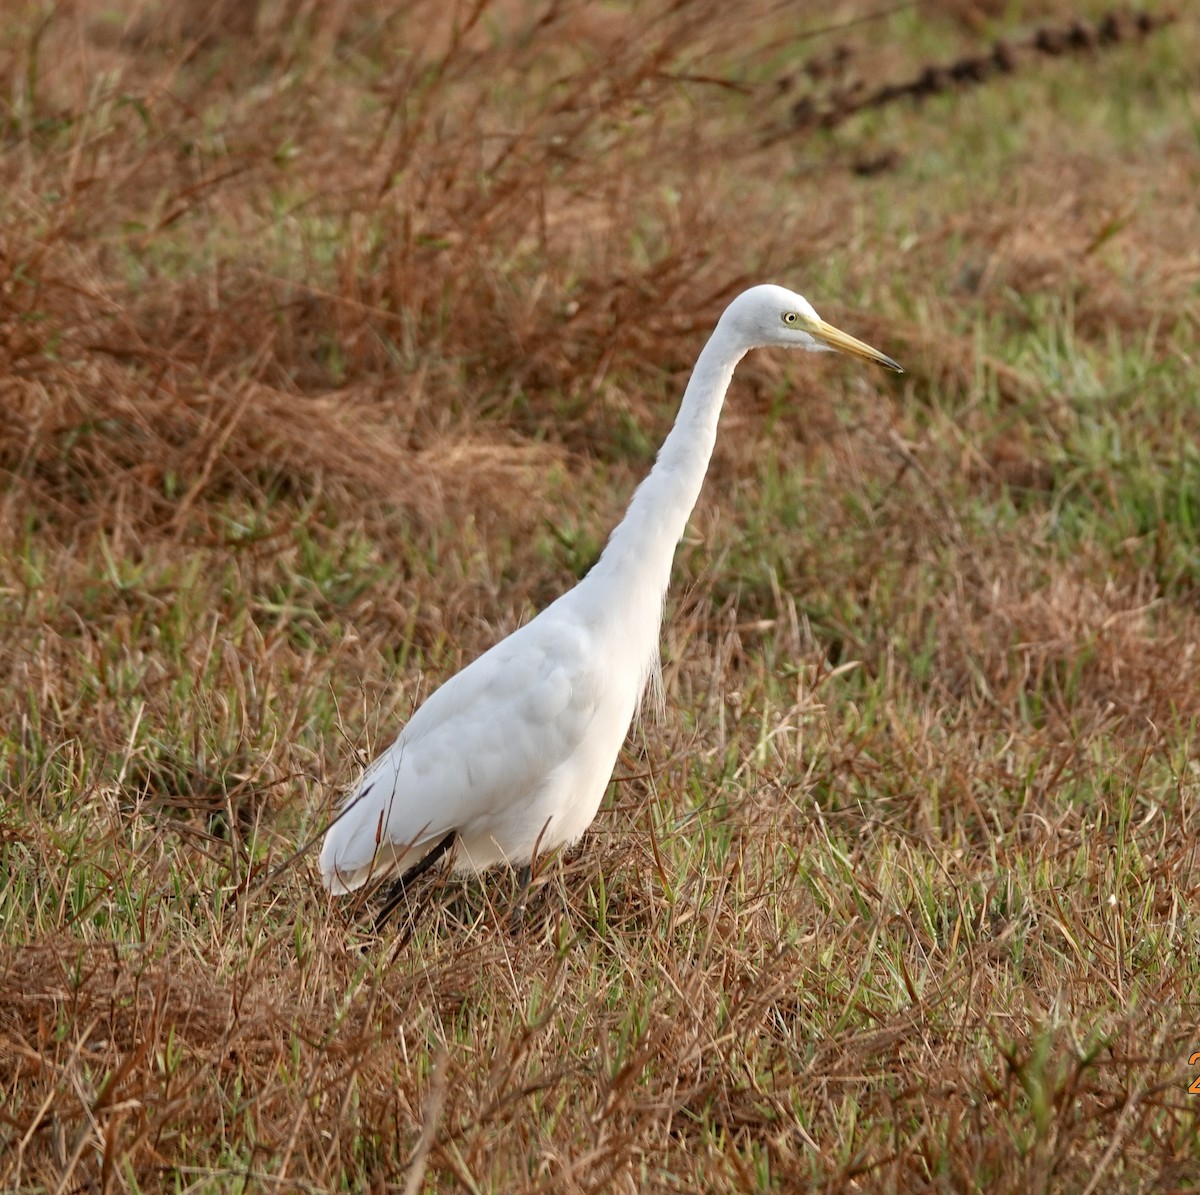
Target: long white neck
[(632, 574)]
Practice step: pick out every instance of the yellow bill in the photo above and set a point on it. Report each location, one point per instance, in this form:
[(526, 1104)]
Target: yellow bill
[(843, 342)]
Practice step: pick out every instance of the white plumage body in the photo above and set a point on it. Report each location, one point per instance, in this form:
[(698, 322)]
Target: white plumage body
[(517, 746), (513, 754)]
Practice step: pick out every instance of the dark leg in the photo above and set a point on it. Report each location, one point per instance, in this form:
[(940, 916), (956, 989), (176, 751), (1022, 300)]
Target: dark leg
[(400, 886), (516, 919), (525, 876)]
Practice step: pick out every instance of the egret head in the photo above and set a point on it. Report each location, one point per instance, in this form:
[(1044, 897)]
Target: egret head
[(772, 315)]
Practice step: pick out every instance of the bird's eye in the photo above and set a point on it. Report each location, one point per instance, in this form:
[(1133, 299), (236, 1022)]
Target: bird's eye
[(790, 317)]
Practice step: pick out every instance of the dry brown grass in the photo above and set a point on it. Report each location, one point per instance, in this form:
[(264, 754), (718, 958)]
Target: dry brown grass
[(332, 341)]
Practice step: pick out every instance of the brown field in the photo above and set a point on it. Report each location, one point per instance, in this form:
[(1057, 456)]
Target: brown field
[(333, 340)]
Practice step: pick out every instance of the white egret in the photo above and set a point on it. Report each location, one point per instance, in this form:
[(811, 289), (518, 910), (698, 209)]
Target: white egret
[(511, 756)]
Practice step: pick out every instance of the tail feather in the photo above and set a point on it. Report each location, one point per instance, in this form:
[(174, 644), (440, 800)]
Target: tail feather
[(357, 849)]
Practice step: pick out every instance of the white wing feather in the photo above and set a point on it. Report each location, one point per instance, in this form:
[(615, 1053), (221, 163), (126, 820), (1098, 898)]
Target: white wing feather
[(476, 757)]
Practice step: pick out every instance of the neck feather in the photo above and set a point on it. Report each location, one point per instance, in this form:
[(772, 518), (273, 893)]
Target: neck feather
[(637, 559)]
